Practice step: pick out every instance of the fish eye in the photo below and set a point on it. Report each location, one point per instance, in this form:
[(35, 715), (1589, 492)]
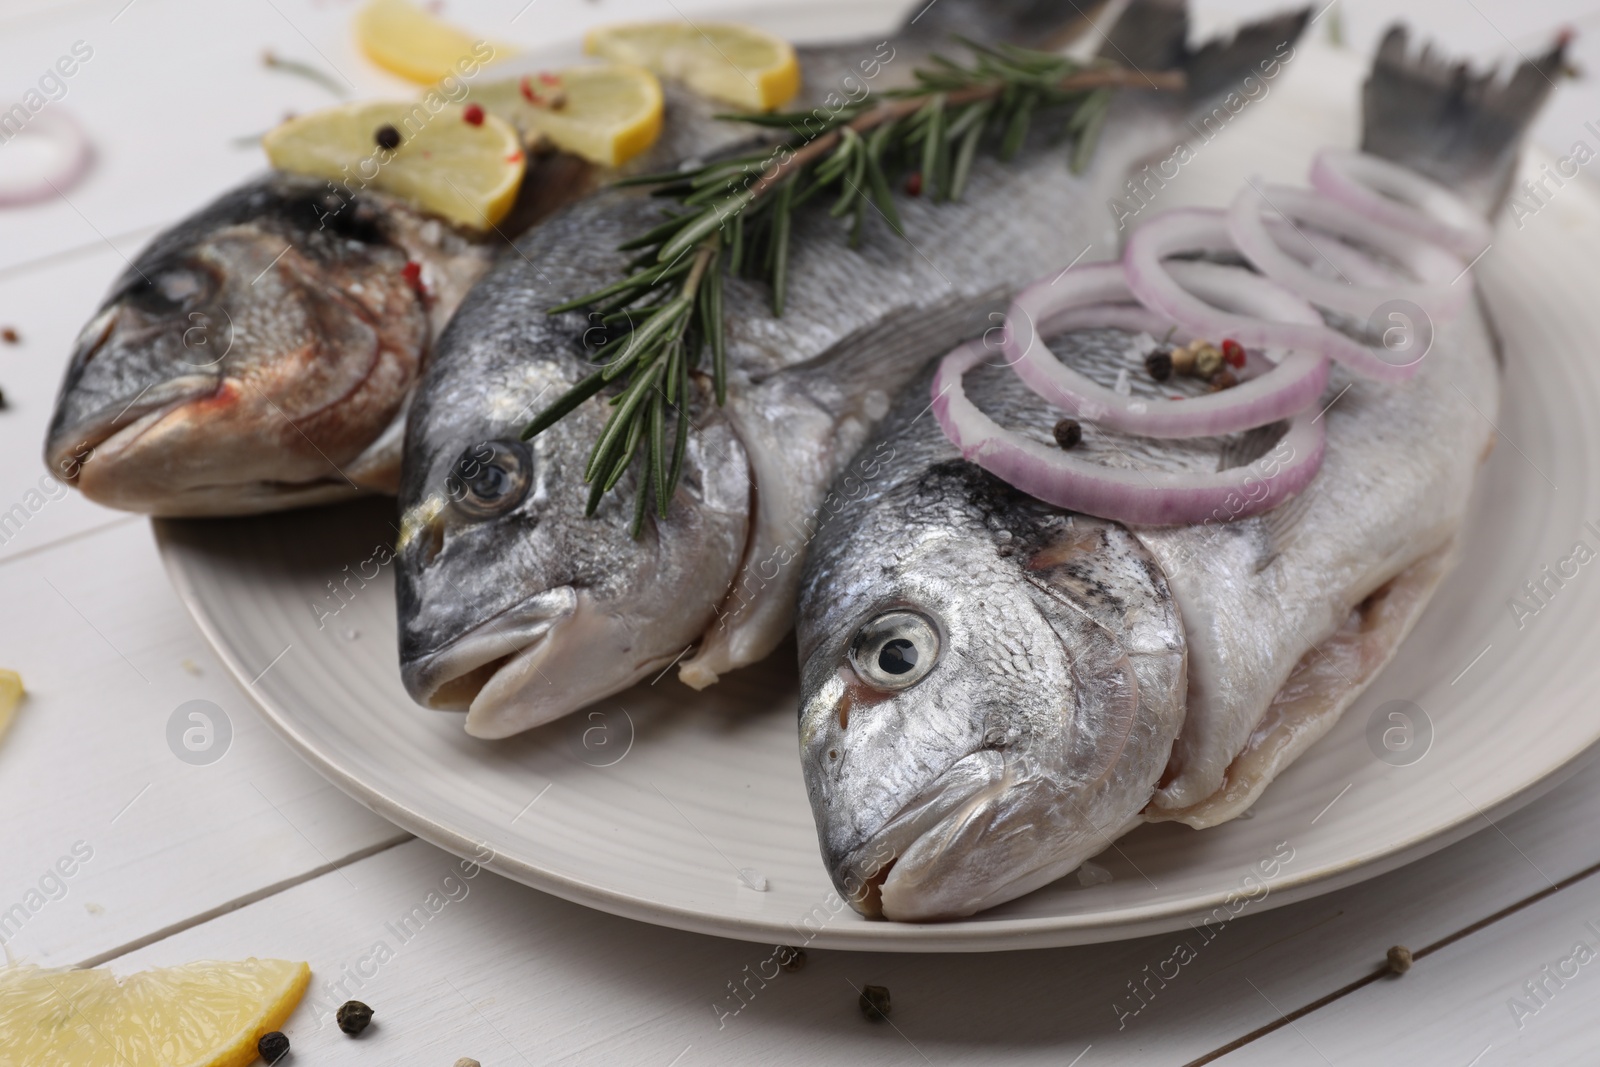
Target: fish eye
[(172, 288), (490, 478), (896, 650)]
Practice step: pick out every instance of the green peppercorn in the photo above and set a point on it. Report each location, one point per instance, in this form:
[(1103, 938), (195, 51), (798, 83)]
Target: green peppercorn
[(1207, 361), (875, 1002), (1399, 959)]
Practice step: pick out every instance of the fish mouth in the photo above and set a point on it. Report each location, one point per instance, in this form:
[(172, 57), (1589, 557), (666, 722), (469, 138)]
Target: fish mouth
[(452, 677), (495, 671), (110, 432), (889, 874)]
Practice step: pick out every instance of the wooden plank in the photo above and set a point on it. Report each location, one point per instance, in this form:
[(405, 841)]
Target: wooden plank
[(490, 969), (88, 778)]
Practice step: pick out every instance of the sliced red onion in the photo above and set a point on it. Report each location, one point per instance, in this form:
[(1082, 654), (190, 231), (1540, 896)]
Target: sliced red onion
[(1435, 269), (47, 156), (1194, 230), (1397, 197), (1155, 498), (1096, 295), (1354, 264)]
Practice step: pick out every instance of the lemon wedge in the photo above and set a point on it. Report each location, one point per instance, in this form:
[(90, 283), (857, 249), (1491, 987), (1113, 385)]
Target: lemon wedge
[(10, 697), (606, 113), (736, 64), (466, 171), (205, 1014), (404, 39)]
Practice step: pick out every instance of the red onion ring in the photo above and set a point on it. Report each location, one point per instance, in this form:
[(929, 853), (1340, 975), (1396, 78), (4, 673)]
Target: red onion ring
[(1154, 498), (1195, 230), (1435, 269), (1096, 295), (1396, 197), (60, 156)]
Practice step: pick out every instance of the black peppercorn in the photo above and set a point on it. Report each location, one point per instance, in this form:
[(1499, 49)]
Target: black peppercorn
[(1068, 433), (353, 1017), (875, 1002), (1159, 365), (791, 959), (273, 1047), (387, 137)]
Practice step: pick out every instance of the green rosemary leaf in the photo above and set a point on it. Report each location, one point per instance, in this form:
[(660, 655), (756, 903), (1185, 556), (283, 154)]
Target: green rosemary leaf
[(636, 429), (709, 220), (597, 492), (933, 146), (962, 168), (781, 216), (656, 234), (1089, 136), (736, 244), (1017, 127), (717, 338), (972, 114), (641, 281), (619, 426), (658, 449), (881, 196), (681, 443), (564, 405), (647, 337)]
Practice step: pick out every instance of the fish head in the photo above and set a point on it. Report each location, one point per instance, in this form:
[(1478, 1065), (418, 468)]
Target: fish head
[(516, 605), (247, 359), (974, 722)]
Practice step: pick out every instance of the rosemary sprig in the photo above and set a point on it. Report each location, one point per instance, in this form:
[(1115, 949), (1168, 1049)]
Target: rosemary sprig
[(735, 216)]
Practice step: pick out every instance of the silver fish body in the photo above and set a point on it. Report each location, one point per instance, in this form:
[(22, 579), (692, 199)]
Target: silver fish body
[(1279, 620), (524, 611), (260, 354)]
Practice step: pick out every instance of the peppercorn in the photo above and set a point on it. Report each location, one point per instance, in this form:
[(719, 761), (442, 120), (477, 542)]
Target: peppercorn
[(1068, 433), (557, 101), (468, 1061), (1183, 358), (3, 404), (1399, 959), (272, 1047), (914, 183), (473, 114), (526, 88), (10, 336), (791, 959), (387, 137), (1207, 360), (1223, 379), (411, 274), (874, 1002), (1158, 364), (1233, 353), (353, 1017)]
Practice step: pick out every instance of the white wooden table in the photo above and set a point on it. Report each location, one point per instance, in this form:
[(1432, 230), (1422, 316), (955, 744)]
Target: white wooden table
[(256, 855)]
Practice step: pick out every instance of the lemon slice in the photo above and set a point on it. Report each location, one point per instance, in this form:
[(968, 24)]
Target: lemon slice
[(205, 1014), (10, 697), (404, 39), (469, 172), (737, 64), (605, 113)]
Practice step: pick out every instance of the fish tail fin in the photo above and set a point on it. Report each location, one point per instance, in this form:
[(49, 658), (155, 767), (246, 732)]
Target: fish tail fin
[(1042, 24), (1460, 127)]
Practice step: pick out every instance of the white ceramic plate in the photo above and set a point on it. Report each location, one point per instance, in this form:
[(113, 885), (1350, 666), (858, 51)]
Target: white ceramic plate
[(671, 807)]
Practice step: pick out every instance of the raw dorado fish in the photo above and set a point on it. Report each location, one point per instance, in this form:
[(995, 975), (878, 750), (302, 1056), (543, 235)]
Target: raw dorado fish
[(259, 355), (995, 689), (517, 608)]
